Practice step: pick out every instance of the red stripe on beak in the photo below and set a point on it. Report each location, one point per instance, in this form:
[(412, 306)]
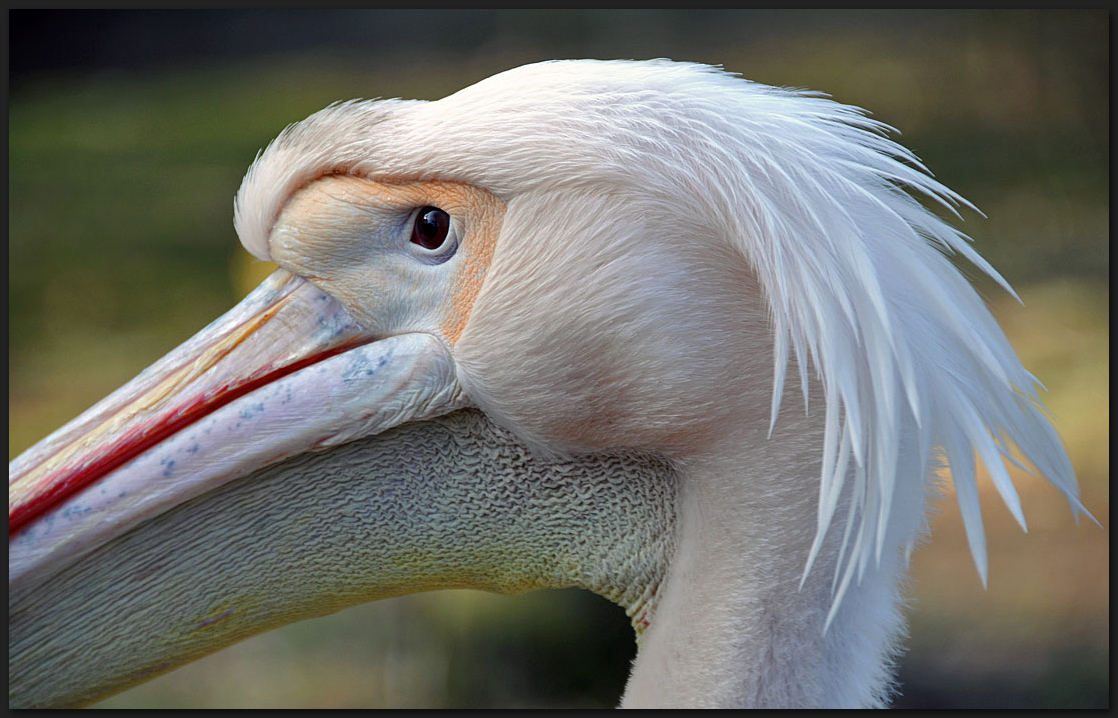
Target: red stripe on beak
[(267, 337)]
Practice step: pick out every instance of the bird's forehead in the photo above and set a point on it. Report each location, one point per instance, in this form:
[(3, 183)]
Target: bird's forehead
[(537, 125), (500, 133), (323, 144), (352, 198)]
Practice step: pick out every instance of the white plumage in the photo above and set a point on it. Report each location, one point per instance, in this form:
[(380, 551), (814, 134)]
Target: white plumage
[(670, 241), (812, 193)]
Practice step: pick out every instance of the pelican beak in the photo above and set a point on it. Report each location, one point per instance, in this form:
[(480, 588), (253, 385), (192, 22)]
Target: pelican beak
[(284, 372), (282, 464)]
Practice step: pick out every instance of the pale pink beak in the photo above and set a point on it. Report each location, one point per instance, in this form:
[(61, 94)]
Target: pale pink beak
[(287, 368)]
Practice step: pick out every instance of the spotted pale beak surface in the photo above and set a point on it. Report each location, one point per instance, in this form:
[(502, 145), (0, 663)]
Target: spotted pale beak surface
[(232, 399)]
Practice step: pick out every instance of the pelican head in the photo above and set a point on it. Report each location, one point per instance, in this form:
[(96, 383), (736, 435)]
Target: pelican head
[(645, 328)]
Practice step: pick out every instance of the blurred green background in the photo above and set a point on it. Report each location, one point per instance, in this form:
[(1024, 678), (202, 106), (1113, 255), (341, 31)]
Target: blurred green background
[(128, 135)]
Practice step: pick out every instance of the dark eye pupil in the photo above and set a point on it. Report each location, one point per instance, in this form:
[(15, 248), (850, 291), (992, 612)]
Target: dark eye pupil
[(431, 228)]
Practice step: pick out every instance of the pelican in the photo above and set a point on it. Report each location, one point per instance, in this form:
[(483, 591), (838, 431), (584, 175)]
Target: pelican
[(645, 328)]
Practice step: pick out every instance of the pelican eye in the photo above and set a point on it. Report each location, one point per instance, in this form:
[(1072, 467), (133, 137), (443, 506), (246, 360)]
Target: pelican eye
[(431, 228)]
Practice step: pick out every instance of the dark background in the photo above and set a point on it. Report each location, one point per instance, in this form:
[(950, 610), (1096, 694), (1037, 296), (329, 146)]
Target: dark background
[(128, 134)]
